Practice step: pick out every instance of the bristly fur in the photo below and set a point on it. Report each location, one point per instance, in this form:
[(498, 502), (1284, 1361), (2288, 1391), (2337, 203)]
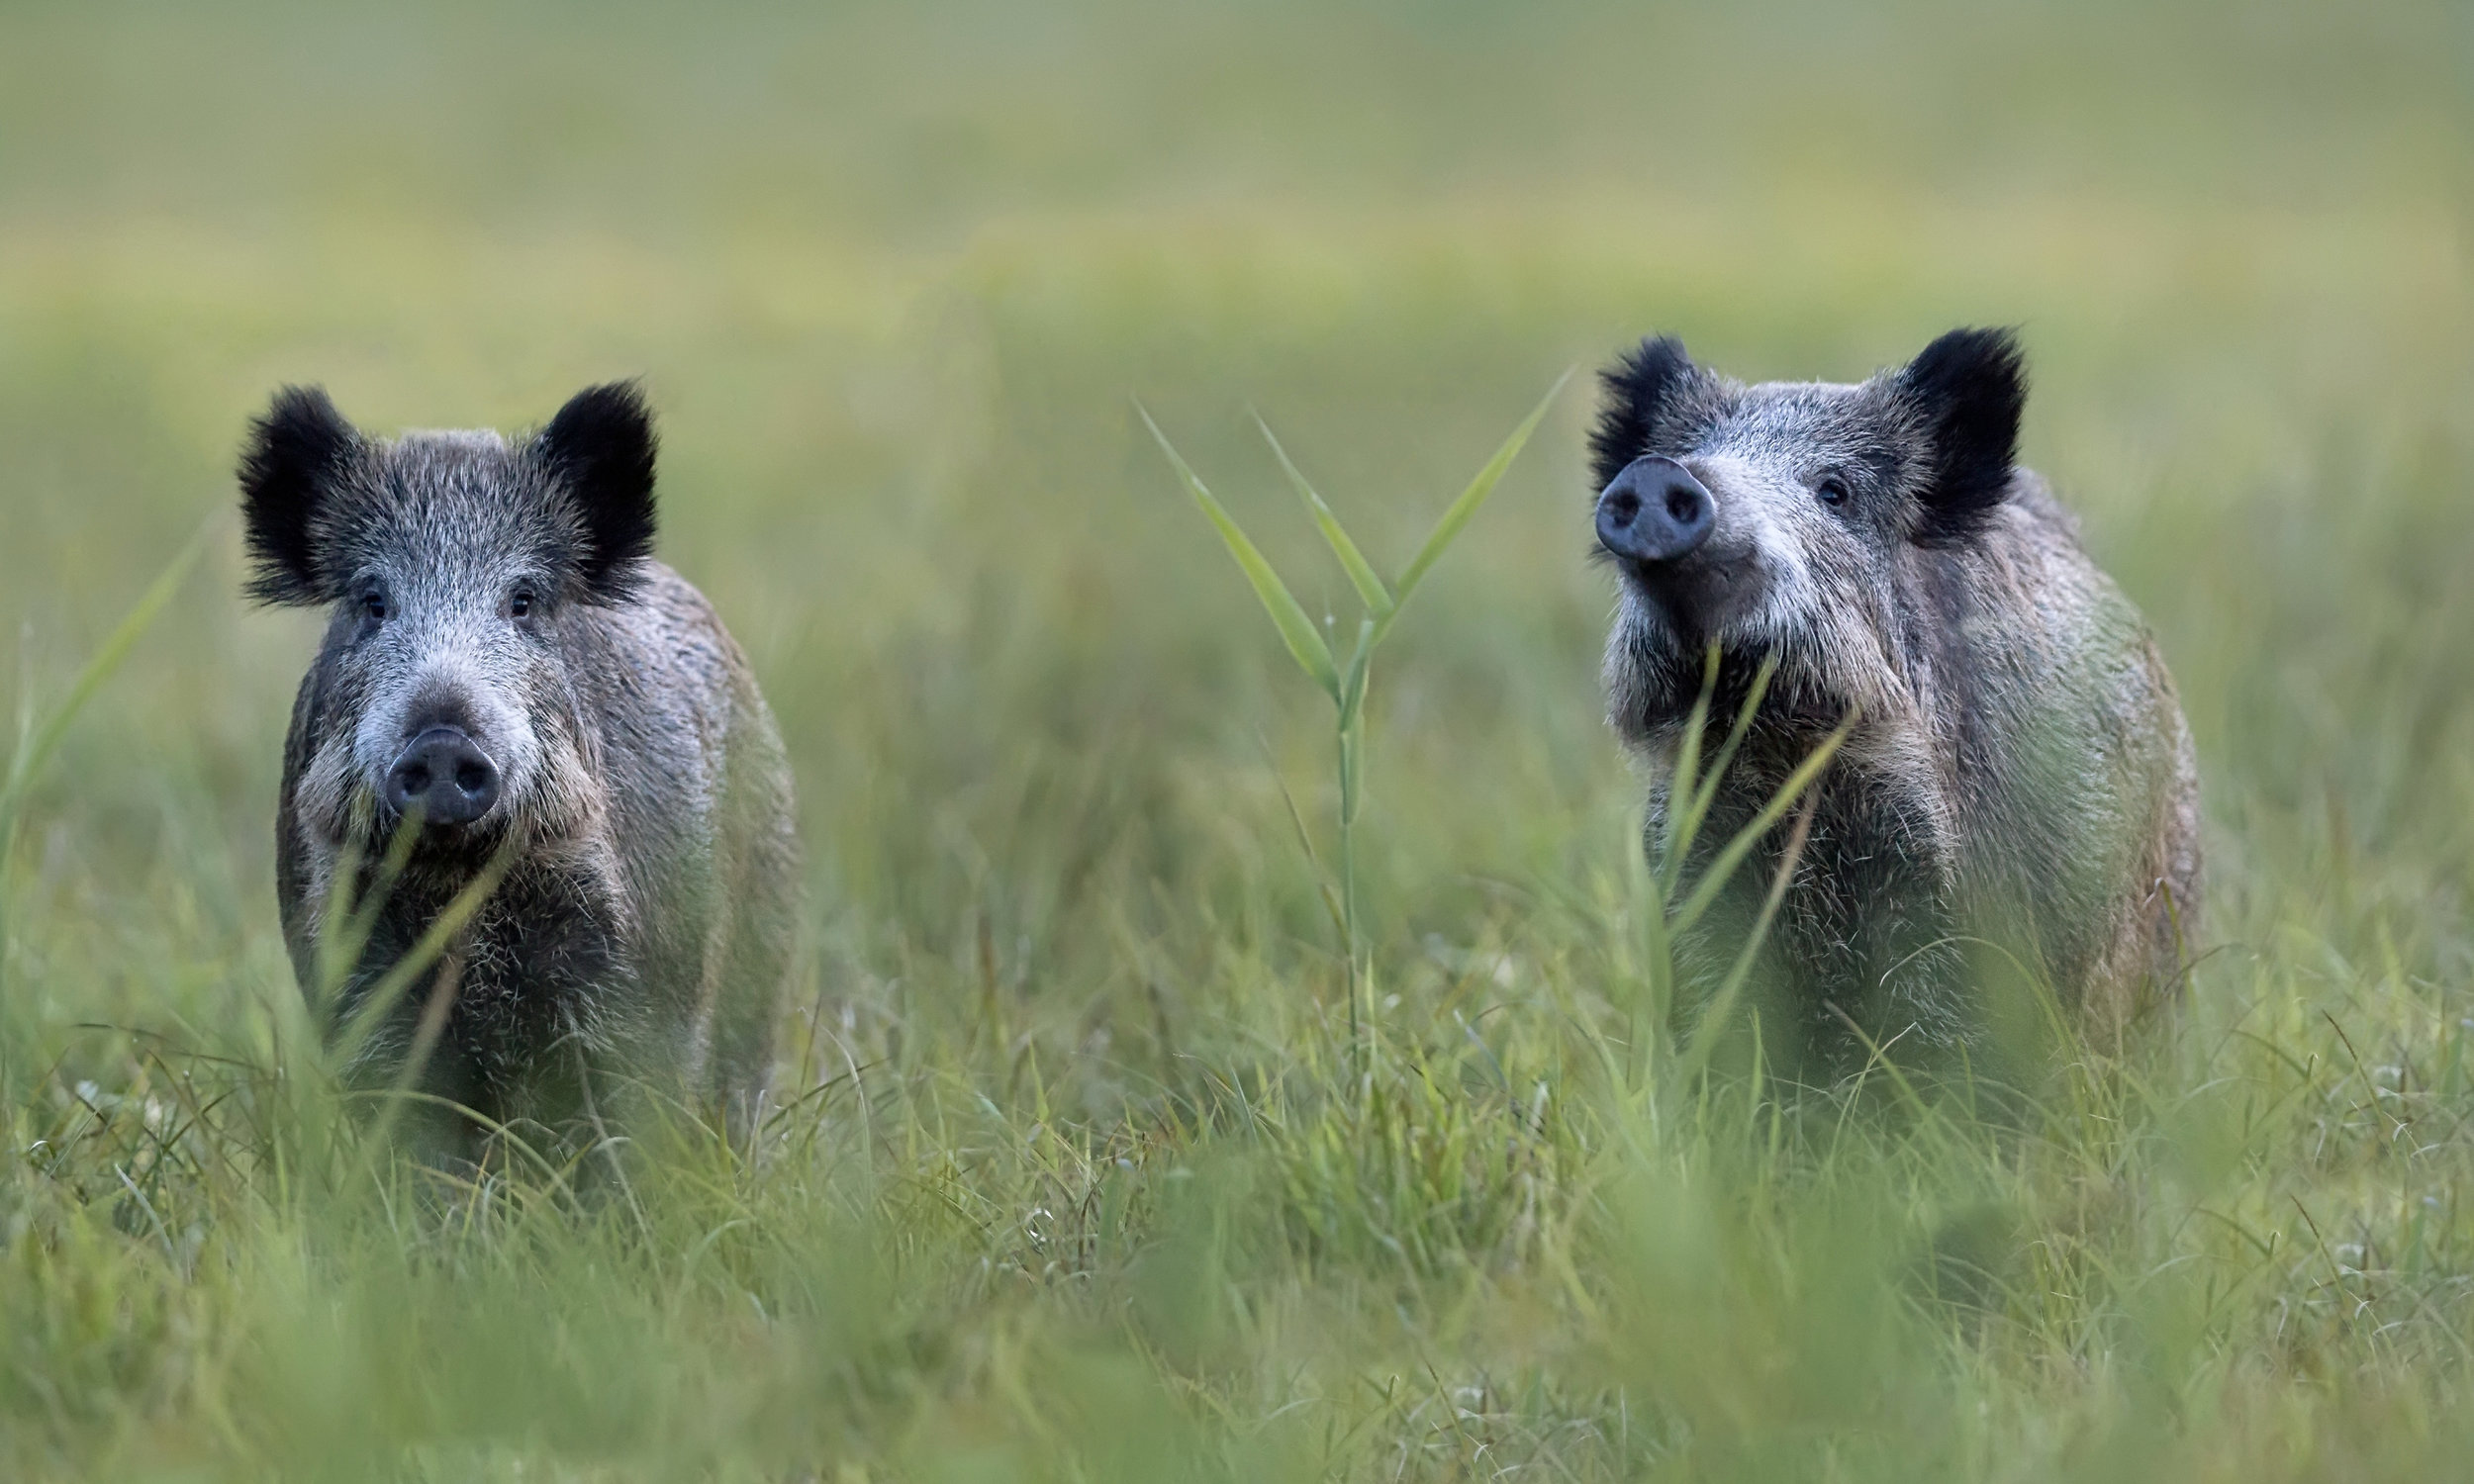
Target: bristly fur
[(643, 927), (601, 447), (1968, 385), (2017, 770), (294, 451), (1636, 385)]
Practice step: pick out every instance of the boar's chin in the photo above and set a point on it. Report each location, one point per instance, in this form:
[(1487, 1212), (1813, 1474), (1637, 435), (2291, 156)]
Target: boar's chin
[(1658, 665), (1709, 595), (366, 828)]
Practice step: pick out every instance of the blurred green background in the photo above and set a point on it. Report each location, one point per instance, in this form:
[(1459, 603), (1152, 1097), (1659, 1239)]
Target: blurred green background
[(894, 276)]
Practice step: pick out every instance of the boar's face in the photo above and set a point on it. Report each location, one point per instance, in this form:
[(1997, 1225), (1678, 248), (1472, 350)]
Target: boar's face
[(1789, 519), (454, 566)]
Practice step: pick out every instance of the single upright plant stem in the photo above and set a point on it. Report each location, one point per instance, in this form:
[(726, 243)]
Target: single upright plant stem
[(1347, 686)]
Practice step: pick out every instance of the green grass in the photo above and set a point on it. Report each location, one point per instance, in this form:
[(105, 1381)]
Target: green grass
[(1080, 1173)]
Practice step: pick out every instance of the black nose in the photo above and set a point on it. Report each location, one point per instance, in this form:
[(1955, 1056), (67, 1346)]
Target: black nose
[(446, 776), (1654, 512)]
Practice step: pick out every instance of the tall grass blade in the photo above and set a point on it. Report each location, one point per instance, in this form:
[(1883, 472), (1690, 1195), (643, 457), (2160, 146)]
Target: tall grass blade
[(352, 920), (428, 950), (40, 741), (1360, 572), (1685, 824), (1305, 642), (1731, 854), (1722, 1004), (1360, 675), (1736, 734), (1462, 510), (46, 736), (1683, 787)]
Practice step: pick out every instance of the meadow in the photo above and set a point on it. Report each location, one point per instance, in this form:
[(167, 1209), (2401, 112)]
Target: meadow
[(1078, 1170)]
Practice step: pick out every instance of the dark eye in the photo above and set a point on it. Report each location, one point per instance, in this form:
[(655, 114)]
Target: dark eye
[(1831, 490), (520, 606), (374, 606)]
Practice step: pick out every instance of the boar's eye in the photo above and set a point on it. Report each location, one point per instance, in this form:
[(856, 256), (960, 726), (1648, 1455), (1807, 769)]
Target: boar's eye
[(1830, 489), (519, 603), (374, 605)]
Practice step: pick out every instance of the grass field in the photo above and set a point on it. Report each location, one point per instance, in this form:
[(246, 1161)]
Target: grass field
[(1078, 1175)]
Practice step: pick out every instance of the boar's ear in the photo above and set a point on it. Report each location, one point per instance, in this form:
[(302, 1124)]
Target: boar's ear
[(1968, 385), (1639, 383), (293, 455), (601, 447)]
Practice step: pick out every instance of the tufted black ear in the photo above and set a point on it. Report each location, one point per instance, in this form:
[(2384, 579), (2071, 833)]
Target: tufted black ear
[(601, 447), (294, 453), (1969, 386), (1636, 386)]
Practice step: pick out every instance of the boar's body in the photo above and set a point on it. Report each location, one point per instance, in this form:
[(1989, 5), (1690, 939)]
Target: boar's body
[(631, 814), (2016, 806)]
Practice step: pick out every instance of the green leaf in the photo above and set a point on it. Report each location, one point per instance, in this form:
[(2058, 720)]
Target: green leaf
[(353, 1035), (1465, 509), (1699, 794), (1722, 1005), (1733, 853), (1682, 793), (45, 738), (1305, 642), (1360, 572), (1354, 679), (1736, 734)]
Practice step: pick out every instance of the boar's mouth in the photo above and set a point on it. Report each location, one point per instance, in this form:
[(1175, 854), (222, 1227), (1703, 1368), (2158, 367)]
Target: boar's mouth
[(1706, 596), (435, 841)]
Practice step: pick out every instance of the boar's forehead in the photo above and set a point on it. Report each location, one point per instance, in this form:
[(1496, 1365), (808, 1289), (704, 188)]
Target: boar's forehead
[(446, 508), (1802, 425)]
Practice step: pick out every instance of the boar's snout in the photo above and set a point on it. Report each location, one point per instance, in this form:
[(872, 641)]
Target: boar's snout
[(443, 774), (1655, 511)]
